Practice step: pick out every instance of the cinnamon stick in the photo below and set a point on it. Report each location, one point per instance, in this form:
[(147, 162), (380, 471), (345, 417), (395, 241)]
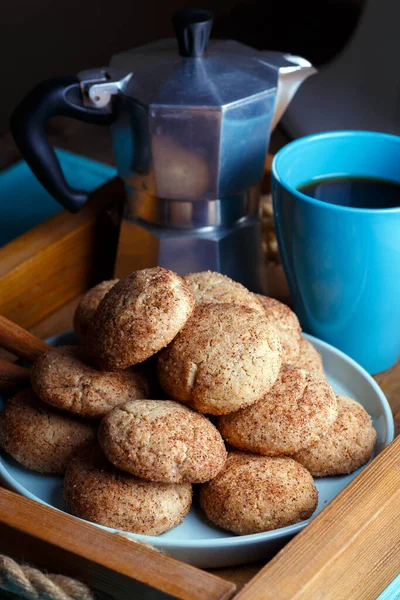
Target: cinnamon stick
[(11, 374), (20, 342)]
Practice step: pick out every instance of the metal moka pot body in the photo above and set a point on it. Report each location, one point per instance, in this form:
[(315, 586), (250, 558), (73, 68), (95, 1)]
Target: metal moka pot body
[(190, 133)]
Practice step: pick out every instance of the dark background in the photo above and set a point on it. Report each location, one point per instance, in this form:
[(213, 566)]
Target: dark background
[(45, 38)]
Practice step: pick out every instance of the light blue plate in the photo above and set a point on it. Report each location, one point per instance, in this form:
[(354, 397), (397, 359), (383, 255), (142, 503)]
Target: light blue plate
[(197, 541)]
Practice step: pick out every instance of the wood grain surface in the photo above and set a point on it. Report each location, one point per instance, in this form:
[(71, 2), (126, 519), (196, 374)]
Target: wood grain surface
[(351, 550), (107, 562), (44, 268)]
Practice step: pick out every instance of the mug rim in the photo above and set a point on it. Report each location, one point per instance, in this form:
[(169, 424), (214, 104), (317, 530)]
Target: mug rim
[(331, 134)]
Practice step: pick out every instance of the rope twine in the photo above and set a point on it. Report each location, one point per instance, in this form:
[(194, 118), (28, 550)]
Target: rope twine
[(27, 582)]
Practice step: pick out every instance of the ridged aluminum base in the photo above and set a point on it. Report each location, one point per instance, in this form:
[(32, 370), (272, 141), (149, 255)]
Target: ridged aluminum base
[(235, 251)]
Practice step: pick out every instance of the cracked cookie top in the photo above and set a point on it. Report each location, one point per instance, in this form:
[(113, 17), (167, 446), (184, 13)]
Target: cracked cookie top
[(95, 490), (40, 437), (348, 444), (258, 493), (63, 377), (140, 315), (294, 414), (225, 358), (161, 440), (210, 286)]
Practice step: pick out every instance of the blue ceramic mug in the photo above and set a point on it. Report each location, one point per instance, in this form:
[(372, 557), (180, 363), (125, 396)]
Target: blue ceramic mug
[(342, 264)]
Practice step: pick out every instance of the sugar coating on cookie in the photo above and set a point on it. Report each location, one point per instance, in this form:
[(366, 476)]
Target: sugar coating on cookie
[(210, 286), (161, 440), (348, 444), (310, 359), (40, 437), (96, 491), (296, 413), (138, 317), (254, 493), (225, 358), (62, 377), (287, 324), (87, 307)]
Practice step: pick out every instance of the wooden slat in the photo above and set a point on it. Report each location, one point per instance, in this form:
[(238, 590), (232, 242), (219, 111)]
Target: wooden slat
[(60, 320), (389, 381), (56, 541), (397, 423), (47, 266), (350, 550), (240, 575)]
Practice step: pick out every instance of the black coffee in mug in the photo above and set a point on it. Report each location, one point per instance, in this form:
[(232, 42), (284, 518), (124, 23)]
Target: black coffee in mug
[(355, 192)]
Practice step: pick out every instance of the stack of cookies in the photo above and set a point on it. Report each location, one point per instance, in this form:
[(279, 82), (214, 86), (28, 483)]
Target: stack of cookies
[(181, 382)]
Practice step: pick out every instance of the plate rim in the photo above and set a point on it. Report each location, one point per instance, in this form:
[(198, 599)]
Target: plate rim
[(233, 540)]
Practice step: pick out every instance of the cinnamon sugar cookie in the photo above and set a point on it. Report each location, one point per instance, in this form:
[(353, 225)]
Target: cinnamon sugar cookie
[(87, 307), (225, 358), (296, 413), (310, 359), (138, 317), (40, 437), (210, 286), (287, 324), (161, 440), (254, 493), (96, 491), (63, 378), (348, 444)]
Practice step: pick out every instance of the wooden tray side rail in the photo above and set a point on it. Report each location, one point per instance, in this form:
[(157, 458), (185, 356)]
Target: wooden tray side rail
[(350, 550), (108, 562), (58, 259)]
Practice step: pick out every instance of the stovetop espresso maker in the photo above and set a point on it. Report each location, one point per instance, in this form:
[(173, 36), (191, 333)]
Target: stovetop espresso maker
[(190, 121)]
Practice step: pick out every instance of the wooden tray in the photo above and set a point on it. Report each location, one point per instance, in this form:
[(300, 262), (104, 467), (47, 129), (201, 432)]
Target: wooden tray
[(55, 261), (350, 550)]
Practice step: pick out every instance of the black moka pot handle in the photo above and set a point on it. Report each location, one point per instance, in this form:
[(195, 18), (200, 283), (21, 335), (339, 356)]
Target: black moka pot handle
[(58, 96)]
